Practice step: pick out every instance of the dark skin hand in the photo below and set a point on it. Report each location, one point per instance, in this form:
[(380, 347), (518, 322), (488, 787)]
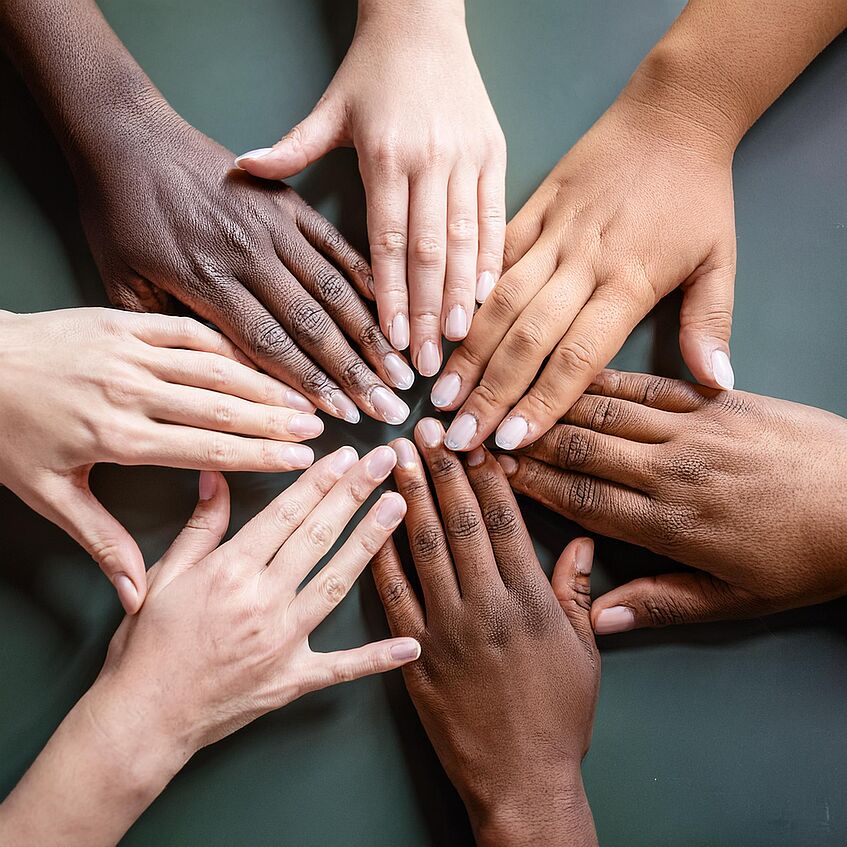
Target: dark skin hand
[(168, 218), (749, 490), (507, 682)]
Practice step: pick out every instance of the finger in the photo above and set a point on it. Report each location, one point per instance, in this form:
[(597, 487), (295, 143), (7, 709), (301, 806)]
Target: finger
[(527, 225), (321, 528), (387, 198), (491, 201), (308, 141), (462, 247), (705, 325), (670, 599), (504, 525), (517, 360), (333, 582), (597, 333), (427, 542), (596, 504), (621, 418), (427, 255), (402, 607), (573, 448), (473, 556), (655, 392), (571, 582), (209, 410)]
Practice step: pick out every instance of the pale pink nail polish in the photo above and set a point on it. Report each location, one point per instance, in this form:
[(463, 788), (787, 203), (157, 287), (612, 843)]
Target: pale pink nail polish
[(405, 650), (508, 464), (461, 432), (390, 510), (381, 462), (484, 286), (430, 431), (584, 556), (305, 426), (401, 375), (722, 370), (345, 407), (429, 359), (258, 153), (390, 407), (445, 390), (407, 456), (614, 619), (208, 485), (343, 460), (456, 325), (127, 592), (398, 332), (511, 432), (296, 456), (295, 400), (476, 457)]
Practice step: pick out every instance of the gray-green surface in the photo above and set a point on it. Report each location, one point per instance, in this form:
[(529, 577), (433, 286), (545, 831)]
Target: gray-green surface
[(718, 735)]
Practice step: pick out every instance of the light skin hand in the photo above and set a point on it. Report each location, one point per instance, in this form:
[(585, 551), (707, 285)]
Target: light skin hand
[(222, 639), (748, 490), (83, 386), (409, 97), (642, 205), (507, 683)]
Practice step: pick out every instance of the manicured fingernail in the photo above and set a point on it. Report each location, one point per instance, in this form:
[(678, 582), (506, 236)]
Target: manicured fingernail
[(369, 281), (615, 619), (722, 370), (343, 460), (431, 432), (345, 407), (391, 408), (258, 153), (127, 593), (508, 464), (484, 286), (208, 485), (407, 456), (295, 400), (511, 432), (400, 373), (461, 431), (445, 390), (381, 462), (297, 456), (476, 457), (306, 426), (429, 359), (390, 510), (398, 332), (456, 325), (403, 651), (584, 556)]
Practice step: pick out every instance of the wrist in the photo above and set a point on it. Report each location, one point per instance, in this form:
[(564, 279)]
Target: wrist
[(412, 16)]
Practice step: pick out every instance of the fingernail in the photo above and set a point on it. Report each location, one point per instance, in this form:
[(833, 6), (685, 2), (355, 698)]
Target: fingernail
[(402, 651), (295, 400), (253, 154), (398, 332), (722, 370), (390, 407), (306, 426), (430, 431), (297, 455), (381, 462), (461, 431), (476, 457), (429, 359), (345, 407), (208, 485), (127, 593), (456, 325), (484, 286), (508, 464), (343, 460), (369, 281), (400, 373), (445, 390), (615, 619), (511, 432), (584, 556), (390, 511), (406, 453)]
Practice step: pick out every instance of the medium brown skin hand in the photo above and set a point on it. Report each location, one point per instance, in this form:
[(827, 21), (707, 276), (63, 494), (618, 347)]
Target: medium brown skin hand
[(167, 216), (507, 682), (750, 491)]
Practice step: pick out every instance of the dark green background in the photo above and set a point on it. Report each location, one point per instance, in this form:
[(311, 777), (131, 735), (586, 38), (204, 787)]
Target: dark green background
[(718, 735)]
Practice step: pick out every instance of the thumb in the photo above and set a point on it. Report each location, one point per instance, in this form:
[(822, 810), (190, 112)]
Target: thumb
[(705, 324), (312, 138), (668, 599), (571, 583)]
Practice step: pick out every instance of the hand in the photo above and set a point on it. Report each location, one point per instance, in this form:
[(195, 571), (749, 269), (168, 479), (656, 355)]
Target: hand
[(222, 638), (749, 490), (640, 206), (507, 682), (408, 96), (169, 218), (83, 386)]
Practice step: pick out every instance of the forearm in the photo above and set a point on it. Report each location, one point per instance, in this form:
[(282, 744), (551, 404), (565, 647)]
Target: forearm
[(410, 16)]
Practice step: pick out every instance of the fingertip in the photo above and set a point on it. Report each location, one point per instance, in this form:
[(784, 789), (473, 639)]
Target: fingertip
[(508, 463), (404, 650), (429, 432), (208, 485), (130, 597), (243, 161)]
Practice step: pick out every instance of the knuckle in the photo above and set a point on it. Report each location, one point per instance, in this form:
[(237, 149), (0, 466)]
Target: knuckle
[(583, 495), (606, 414), (527, 338), (287, 513), (217, 374), (319, 534), (427, 250), (333, 587), (653, 390), (390, 244), (573, 448), (309, 322), (332, 287), (395, 592), (462, 231), (220, 453), (270, 339), (501, 519), (426, 541), (575, 356), (223, 414), (504, 299), (678, 525), (462, 522)]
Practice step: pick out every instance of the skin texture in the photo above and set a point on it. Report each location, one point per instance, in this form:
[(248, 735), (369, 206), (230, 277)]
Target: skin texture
[(748, 490), (640, 206), (83, 386), (408, 96), (507, 683), (221, 640), (169, 219)]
